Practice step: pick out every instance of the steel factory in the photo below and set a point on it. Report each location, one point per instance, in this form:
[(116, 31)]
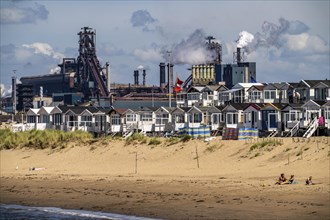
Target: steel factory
[(83, 79)]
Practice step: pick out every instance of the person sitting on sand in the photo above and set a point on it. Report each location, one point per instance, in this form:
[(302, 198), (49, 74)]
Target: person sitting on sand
[(281, 180), (291, 180), (309, 181)]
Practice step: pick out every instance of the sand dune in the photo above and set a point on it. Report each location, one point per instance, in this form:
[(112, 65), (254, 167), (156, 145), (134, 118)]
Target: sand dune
[(232, 181)]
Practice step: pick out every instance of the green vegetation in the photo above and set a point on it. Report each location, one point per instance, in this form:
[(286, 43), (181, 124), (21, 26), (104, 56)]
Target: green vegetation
[(154, 141), (211, 148), (264, 144), (136, 137), (40, 139), (172, 140), (185, 138), (328, 153)]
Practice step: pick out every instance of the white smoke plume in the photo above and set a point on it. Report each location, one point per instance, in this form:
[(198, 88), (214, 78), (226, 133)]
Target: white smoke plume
[(44, 49), (56, 70), (272, 34), (140, 67), (244, 39), (5, 92), (190, 51)]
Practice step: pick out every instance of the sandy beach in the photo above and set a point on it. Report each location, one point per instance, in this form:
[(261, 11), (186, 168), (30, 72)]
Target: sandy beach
[(186, 180)]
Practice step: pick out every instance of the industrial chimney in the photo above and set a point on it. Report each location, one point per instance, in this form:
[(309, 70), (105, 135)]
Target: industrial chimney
[(170, 78), (13, 94), (136, 77), (144, 77), (239, 57), (162, 75)]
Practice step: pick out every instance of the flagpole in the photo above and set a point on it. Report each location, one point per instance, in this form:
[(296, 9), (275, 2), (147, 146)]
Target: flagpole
[(169, 76)]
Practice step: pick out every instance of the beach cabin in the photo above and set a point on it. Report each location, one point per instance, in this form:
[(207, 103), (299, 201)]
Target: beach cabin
[(210, 95), (32, 118), (130, 120), (195, 117), (255, 94), (291, 116), (163, 117), (194, 95), (116, 119), (252, 115), (213, 117), (179, 117), (321, 90), (146, 119), (242, 95), (271, 116), (100, 120), (311, 110), (276, 93), (72, 117), (45, 118), (234, 115)]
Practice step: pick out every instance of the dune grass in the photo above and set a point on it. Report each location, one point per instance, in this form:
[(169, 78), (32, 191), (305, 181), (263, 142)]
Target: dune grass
[(264, 144), (40, 139)]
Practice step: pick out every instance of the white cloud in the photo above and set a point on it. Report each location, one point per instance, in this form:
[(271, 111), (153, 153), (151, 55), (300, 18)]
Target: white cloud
[(19, 15), (306, 43), (149, 54)]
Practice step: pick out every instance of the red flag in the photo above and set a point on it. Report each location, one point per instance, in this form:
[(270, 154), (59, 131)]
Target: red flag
[(178, 84)]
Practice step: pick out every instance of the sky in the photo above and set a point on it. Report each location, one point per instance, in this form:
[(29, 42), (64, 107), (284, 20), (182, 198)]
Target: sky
[(288, 40)]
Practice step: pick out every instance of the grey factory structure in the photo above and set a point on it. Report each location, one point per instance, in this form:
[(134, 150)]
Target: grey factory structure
[(83, 79)]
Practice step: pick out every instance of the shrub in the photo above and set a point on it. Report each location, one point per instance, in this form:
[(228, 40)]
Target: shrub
[(264, 144), (154, 141), (185, 138), (172, 140), (136, 137), (40, 139), (211, 148)]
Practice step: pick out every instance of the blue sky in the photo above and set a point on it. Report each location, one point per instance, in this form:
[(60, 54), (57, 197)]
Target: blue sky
[(291, 38)]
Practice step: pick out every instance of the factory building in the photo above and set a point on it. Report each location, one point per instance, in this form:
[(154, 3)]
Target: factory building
[(211, 72)]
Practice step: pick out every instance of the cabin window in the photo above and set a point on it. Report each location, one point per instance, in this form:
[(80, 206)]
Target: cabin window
[(293, 116), (146, 116), (31, 119), (179, 118), (45, 119), (247, 117), (327, 113), (130, 118), (162, 119), (86, 120), (195, 118), (193, 96), (232, 118), (57, 119), (115, 120), (270, 94), (216, 118), (255, 95)]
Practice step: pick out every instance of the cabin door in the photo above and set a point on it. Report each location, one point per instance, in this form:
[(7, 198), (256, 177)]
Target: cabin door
[(272, 121)]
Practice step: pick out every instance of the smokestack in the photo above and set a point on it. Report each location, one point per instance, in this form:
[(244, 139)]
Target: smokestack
[(144, 77), (136, 77), (13, 93), (239, 58), (107, 75), (170, 78), (162, 75)]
